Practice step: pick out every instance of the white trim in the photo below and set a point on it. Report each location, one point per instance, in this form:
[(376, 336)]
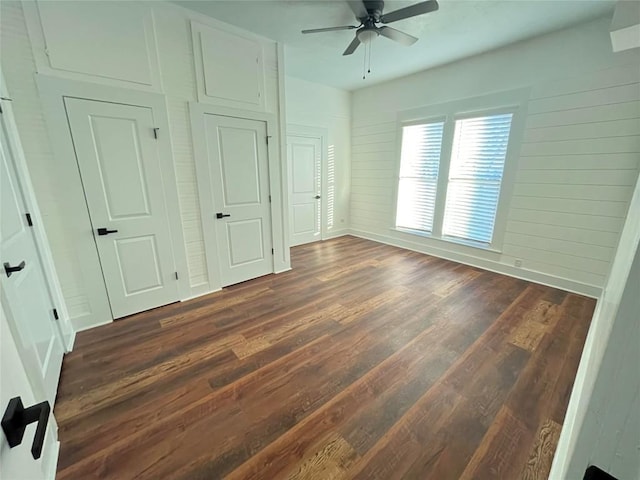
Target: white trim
[(493, 266), (338, 233), (52, 91), (200, 294), (321, 134), (38, 43), (197, 29), (625, 38), (65, 327), (280, 242), (598, 339), (285, 254), (511, 101)]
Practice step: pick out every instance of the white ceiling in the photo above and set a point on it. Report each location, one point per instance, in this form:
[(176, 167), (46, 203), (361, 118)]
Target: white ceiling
[(458, 29)]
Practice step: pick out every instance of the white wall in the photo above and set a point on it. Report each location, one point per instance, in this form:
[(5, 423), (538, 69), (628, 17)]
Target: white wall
[(576, 167), (136, 45), (610, 434), (313, 105), (602, 424)]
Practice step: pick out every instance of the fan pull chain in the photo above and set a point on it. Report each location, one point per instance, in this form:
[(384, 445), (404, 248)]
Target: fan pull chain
[(369, 66), (364, 63)]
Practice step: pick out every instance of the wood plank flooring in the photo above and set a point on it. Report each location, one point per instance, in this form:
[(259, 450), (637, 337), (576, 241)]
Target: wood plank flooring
[(365, 361)]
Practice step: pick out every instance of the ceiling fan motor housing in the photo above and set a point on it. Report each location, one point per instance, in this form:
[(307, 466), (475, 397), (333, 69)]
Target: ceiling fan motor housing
[(374, 8)]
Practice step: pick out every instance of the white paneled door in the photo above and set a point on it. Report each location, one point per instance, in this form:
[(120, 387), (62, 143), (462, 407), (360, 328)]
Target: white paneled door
[(238, 160), (119, 164), (305, 160), (24, 289)]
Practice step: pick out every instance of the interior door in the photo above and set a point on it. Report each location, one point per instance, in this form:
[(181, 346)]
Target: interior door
[(25, 292), (122, 180), (305, 160), (18, 462), (238, 159)]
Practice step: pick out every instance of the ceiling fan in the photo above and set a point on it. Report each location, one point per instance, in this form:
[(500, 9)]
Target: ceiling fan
[(369, 13)]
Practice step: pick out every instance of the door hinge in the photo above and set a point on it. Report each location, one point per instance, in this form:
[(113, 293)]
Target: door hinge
[(176, 275), (29, 221), (155, 133), (268, 137), (272, 251), (55, 314), (269, 198)]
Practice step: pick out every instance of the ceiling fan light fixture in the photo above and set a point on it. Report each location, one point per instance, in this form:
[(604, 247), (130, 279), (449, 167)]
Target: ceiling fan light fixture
[(366, 36)]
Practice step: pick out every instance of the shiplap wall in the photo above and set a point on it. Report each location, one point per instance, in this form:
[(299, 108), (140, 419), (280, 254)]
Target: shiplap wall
[(577, 164), (177, 81), (610, 434), (314, 105)]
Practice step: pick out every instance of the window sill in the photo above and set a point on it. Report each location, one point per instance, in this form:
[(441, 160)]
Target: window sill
[(456, 241)]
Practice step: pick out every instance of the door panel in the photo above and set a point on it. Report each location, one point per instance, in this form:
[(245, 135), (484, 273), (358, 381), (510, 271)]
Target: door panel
[(139, 264), (120, 167), (245, 239), (305, 157), (238, 160), (122, 180), (25, 293), (240, 169)]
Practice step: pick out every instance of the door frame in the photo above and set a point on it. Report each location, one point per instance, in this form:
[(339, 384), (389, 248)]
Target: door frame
[(277, 179), (296, 130), (65, 329), (52, 92)]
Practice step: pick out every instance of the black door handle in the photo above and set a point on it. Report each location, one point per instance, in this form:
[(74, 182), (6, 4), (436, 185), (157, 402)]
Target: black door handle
[(105, 231), (222, 215), (15, 421), (8, 269), (317, 197)]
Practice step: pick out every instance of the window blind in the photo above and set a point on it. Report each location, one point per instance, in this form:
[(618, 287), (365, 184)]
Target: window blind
[(475, 173), (417, 185)]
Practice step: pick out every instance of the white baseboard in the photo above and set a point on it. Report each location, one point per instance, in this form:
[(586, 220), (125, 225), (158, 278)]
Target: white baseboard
[(521, 273), (200, 294), (337, 233)]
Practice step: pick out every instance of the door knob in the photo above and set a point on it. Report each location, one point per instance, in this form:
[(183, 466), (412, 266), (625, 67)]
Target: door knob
[(15, 421), (222, 215), (317, 197), (8, 269), (106, 231)]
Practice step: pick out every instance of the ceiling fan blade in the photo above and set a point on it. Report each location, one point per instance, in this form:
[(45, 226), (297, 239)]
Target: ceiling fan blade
[(397, 35), (358, 8), (411, 11), (329, 29), (352, 46)]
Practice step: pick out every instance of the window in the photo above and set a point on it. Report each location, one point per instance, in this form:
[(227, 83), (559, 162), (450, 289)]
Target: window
[(473, 168), (419, 164)]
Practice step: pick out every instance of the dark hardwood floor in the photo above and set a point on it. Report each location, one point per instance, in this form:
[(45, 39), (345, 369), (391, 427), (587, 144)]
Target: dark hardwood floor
[(365, 361)]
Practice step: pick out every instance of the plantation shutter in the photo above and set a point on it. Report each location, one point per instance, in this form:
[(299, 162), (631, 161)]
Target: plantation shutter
[(419, 163), (475, 174)]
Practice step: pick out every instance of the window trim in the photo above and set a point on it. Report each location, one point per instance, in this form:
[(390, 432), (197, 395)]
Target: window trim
[(512, 101)]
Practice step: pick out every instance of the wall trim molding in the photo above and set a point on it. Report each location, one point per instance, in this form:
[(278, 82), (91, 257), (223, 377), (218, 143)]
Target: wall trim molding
[(521, 273)]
